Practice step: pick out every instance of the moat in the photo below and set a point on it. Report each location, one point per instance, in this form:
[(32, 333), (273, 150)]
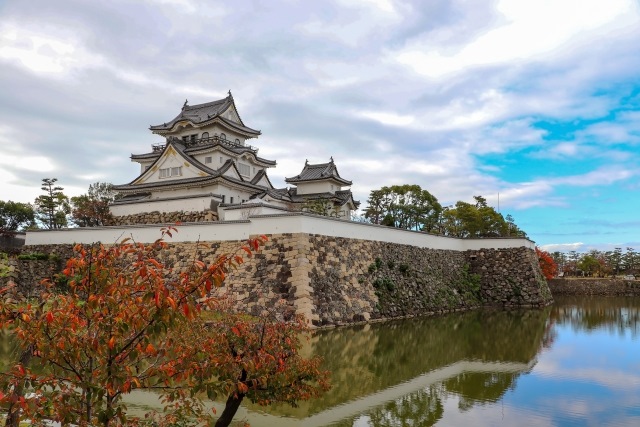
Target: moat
[(573, 363)]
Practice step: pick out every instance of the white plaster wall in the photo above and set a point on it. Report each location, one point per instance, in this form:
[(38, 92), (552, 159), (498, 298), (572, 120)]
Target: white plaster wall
[(144, 164), (293, 223), (316, 187)]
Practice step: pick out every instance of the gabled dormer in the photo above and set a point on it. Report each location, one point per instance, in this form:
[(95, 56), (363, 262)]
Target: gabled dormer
[(318, 178), (172, 164)]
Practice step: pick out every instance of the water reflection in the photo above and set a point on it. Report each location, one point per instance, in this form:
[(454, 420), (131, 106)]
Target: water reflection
[(575, 363)]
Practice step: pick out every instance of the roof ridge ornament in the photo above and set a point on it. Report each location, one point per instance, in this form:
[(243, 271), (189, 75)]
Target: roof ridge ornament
[(185, 104)]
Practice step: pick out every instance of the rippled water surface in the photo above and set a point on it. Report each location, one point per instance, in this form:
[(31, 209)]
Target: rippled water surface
[(576, 363)]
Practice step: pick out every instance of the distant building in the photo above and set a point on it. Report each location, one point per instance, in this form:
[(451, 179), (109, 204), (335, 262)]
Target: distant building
[(205, 168)]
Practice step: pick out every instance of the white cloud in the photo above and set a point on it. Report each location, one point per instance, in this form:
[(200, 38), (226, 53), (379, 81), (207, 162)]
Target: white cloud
[(527, 31), (388, 118), (47, 51), (563, 247)]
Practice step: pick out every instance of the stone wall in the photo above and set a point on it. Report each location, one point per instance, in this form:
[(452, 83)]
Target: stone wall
[(594, 286), (333, 280), (27, 275), (510, 277), (164, 217)]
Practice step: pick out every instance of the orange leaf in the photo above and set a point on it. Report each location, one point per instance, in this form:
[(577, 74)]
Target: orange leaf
[(185, 309), (49, 317), (149, 349), (235, 331), (112, 342)]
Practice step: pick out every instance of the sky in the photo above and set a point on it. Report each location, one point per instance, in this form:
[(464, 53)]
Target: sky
[(534, 105)]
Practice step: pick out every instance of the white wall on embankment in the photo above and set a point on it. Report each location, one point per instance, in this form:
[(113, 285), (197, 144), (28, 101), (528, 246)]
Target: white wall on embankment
[(271, 224)]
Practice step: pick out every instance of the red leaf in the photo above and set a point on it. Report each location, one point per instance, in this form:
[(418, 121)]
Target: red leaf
[(49, 317), (235, 331)]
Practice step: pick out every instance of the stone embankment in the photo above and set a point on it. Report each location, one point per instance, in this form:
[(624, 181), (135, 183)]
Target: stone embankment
[(595, 286), (164, 218), (334, 281)]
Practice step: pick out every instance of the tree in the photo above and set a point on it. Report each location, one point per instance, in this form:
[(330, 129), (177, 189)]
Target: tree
[(52, 207), (630, 261), (320, 207), (547, 264), (404, 206), (129, 322), (589, 265), (15, 216), (92, 209), (614, 261)]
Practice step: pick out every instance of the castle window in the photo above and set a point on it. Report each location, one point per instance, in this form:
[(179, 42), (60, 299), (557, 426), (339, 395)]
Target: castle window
[(185, 138), (208, 159), (169, 172), (193, 137), (223, 136), (205, 135), (245, 170), (220, 159), (237, 141), (231, 200)]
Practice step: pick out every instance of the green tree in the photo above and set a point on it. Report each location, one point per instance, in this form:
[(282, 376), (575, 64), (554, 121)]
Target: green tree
[(404, 206), (92, 209), (589, 265), (320, 207), (561, 260), (630, 261), (52, 207), (15, 216)]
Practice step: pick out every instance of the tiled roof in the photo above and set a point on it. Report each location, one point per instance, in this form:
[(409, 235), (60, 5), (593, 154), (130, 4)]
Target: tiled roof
[(291, 195), (202, 113), (317, 172), (214, 174), (239, 149)]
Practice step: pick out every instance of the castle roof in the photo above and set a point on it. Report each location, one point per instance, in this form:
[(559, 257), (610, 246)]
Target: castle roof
[(318, 172), (203, 114), (202, 145), (340, 198), (136, 186)]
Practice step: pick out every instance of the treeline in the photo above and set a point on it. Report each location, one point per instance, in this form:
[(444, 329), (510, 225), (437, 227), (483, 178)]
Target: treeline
[(412, 208), (53, 209), (597, 263)]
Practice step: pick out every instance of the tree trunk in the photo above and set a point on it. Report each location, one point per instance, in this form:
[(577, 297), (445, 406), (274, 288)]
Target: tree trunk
[(13, 411), (230, 409)]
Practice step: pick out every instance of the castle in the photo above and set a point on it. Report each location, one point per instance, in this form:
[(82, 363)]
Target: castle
[(205, 166)]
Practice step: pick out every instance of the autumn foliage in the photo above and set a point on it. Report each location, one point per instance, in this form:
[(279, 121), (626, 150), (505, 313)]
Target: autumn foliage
[(130, 322), (547, 264)]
